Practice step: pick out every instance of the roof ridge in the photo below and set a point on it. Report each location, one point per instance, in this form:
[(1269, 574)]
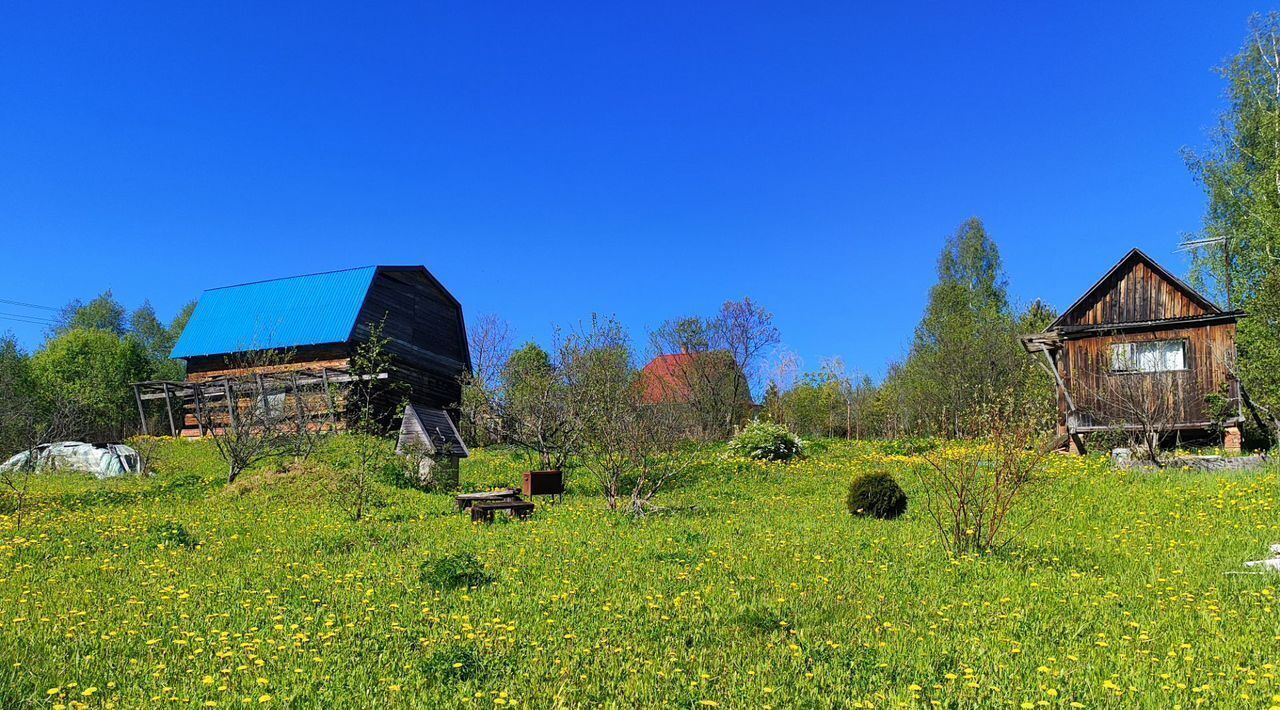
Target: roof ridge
[(295, 276), (1138, 254)]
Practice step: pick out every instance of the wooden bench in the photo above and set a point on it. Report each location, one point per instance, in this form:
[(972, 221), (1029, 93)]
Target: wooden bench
[(517, 508), (466, 500)]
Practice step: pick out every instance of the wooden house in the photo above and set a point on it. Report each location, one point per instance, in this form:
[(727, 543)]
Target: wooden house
[(706, 389), (1141, 351), (319, 320)]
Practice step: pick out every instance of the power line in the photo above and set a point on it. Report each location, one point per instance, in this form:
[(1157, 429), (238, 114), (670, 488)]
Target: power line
[(29, 321), (29, 305), (50, 321)]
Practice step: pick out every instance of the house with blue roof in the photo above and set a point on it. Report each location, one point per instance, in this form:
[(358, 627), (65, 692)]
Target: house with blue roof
[(319, 320)]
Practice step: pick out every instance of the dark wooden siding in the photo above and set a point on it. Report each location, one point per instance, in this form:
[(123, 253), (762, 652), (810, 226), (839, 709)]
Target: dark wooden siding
[(333, 356), (426, 332), (1084, 365), (1134, 294)]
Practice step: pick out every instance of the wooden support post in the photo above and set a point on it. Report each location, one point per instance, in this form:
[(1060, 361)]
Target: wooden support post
[(231, 403), (297, 403), (1077, 444), (328, 393), (142, 415), (199, 388), (262, 396), (168, 408)]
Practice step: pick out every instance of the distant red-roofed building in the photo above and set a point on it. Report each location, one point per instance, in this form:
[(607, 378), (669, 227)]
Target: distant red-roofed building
[(709, 384)]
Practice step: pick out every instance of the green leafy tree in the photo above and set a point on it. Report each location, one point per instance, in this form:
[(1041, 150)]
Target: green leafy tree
[(94, 368), (535, 408), (1239, 254), (102, 313), (159, 339), (965, 350), (17, 391)]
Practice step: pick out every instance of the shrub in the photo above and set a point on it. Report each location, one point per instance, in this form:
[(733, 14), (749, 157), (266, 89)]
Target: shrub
[(456, 662), (877, 495), (459, 570), (915, 446), (172, 534), (767, 441)]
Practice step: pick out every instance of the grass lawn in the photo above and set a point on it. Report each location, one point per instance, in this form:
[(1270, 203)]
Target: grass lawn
[(754, 588)]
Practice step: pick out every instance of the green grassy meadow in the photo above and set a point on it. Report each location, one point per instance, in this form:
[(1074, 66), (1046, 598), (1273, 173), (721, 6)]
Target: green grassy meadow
[(754, 588)]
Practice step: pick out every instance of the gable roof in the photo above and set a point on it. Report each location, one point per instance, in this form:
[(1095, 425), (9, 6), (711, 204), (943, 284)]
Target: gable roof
[(668, 378), (1123, 267), (663, 379), (432, 429), (278, 313)]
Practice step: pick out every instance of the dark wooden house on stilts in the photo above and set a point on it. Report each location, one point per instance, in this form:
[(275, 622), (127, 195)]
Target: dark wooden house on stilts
[(1142, 351)]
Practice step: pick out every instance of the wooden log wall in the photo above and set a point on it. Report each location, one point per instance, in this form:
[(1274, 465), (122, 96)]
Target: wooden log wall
[(1134, 295), (1086, 363)]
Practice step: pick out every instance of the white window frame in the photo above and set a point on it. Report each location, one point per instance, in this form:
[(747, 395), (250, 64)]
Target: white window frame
[(1146, 357)]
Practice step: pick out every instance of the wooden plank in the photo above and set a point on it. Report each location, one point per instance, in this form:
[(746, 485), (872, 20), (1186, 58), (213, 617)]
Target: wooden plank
[(142, 415), (168, 408)]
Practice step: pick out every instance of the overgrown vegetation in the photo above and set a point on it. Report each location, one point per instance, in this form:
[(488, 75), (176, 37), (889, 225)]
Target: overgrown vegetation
[(767, 441), (1236, 253), (756, 584)]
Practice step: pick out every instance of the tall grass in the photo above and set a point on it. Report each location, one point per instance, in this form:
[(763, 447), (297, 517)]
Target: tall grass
[(754, 588)]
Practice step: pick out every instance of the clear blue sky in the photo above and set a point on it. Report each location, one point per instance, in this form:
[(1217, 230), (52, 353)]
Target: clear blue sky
[(648, 159)]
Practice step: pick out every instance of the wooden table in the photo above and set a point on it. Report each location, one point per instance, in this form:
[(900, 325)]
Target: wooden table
[(517, 508), (466, 500)]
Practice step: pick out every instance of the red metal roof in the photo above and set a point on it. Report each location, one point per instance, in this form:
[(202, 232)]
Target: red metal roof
[(663, 379)]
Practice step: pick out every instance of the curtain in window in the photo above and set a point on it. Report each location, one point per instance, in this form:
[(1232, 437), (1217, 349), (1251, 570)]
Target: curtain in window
[(1159, 356)]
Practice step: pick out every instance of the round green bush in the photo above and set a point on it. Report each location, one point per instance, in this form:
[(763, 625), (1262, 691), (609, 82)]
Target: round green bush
[(460, 570), (767, 441), (877, 495)]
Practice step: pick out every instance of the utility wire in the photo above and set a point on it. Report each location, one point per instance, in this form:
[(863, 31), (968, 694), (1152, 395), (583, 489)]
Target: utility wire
[(29, 305), (20, 319), (33, 319)]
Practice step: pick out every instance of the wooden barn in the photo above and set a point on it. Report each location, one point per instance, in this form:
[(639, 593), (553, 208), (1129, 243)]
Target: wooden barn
[(1141, 351), (319, 320)]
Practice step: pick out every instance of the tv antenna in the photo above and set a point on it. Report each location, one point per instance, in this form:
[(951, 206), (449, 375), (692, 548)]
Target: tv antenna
[(1225, 241)]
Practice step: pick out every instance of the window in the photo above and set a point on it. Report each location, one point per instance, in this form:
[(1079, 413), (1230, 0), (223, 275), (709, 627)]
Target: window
[(1157, 356)]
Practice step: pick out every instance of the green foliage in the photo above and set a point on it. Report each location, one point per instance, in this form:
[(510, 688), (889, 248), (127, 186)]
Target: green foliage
[(459, 570), (17, 393), (767, 441), (966, 354), (757, 565), (93, 368), (828, 403), (914, 446), (348, 451), (159, 339), (876, 495), (534, 407), (173, 534), (102, 313), (1239, 172)]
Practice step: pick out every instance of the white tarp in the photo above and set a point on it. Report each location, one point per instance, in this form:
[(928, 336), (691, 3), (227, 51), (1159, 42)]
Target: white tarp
[(102, 460)]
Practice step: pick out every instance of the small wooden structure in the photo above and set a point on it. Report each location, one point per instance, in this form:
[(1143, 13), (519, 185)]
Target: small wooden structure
[(1175, 349), (431, 435), (483, 505), (319, 320), (543, 483), (516, 508)]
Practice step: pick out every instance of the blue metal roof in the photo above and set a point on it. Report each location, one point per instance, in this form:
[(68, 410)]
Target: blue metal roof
[(280, 313)]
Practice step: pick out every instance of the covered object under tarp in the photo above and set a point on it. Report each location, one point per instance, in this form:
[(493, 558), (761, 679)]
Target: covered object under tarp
[(102, 460)]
